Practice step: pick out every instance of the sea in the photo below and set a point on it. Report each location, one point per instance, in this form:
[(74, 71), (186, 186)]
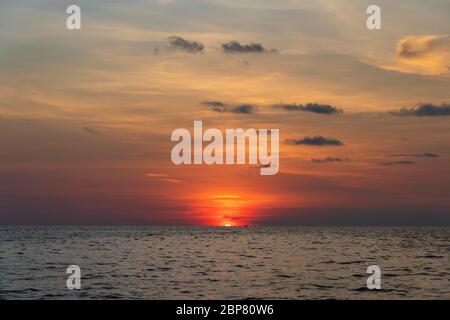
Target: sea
[(158, 263)]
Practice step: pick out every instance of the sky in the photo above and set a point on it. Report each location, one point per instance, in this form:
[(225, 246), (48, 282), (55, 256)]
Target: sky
[(86, 115)]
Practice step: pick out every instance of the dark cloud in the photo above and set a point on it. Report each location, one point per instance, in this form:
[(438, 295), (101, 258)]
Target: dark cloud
[(397, 162), (244, 108), (216, 106), (330, 159), (314, 141), (185, 45), (221, 107), (425, 109), (236, 47), (310, 107), (90, 130), (419, 155)]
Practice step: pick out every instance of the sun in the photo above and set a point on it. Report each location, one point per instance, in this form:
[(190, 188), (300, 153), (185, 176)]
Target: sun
[(227, 209)]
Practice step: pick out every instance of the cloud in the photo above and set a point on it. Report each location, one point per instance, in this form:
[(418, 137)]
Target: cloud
[(236, 47), (314, 141), (418, 155), (330, 159), (172, 180), (425, 109), (423, 54), (244, 108), (259, 166), (216, 104), (90, 130), (221, 107), (415, 47), (157, 175), (398, 163), (163, 177), (185, 45), (310, 107)]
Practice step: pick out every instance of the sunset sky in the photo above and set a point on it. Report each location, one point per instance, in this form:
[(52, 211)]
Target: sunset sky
[(86, 115)]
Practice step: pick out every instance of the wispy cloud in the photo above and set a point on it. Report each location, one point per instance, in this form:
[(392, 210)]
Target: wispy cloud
[(163, 177), (423, 54), (314, 141), (418, 155), (172, 180), (330, 159), (402, 162), (157, 175), (416, 47)]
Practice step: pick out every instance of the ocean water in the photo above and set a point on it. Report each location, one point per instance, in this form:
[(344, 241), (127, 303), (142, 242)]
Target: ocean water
[(223, 263)]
